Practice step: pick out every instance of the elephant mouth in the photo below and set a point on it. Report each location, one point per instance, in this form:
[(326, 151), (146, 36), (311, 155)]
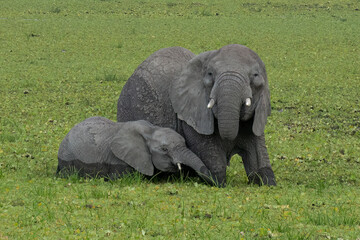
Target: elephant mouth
[(246, 112)]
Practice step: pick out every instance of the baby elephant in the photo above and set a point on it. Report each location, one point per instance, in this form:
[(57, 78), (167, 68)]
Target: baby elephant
[(100, 147)]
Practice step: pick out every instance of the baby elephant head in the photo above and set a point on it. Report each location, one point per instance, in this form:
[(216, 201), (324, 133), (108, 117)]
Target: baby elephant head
[(144, 146)]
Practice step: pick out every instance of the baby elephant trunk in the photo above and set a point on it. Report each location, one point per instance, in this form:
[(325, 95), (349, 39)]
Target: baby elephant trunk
[(186, 157)]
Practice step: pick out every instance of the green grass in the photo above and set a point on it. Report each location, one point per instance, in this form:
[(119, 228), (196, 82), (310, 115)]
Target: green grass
[(62, 62)]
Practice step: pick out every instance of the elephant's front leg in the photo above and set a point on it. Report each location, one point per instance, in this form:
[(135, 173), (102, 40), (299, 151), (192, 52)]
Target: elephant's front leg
[(209, 150), (255, 158)]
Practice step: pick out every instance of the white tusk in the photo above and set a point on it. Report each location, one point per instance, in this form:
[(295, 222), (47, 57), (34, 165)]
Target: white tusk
[(248, 102), (211, 103), (179, 166)]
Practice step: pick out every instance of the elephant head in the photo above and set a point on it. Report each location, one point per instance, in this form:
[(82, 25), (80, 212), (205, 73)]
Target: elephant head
[(229, 84), (144, 146)]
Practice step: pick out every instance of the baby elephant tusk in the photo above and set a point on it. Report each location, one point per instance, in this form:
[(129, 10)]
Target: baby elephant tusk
[(248, 102), (179, 166), (211, 103)]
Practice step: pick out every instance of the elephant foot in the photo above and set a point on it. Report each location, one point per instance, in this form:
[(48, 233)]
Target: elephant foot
[(212, 179), (264, 176), (213, 182), (217, 181)]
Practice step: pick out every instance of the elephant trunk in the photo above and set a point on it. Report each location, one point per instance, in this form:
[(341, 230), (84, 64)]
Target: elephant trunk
[(232, 94), (185, 156)]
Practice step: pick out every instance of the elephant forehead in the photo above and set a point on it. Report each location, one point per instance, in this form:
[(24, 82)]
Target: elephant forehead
[(236, 49), (168, 136), (237, 54)]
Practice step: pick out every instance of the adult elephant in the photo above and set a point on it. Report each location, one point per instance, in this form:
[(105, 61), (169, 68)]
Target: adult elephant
[(218, 101)]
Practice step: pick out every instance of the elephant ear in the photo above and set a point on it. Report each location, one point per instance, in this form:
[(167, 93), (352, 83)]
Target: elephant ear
[(130, 147), (262, 111), (189, 95)]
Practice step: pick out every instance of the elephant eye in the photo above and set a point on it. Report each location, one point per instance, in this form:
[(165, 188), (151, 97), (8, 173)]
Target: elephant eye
[(256, 75), (164, 149), (209, 79)]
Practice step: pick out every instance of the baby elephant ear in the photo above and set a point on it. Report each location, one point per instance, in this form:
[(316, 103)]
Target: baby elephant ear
[(189, 96), (132, 149)]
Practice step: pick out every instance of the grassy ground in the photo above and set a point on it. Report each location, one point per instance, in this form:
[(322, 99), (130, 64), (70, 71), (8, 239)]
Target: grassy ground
[(62, 62)]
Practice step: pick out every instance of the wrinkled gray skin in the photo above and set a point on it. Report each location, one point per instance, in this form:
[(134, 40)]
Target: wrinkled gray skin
[(100, 147), (173, 87)]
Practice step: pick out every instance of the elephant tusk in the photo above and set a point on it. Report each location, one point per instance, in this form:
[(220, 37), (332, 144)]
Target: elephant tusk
[(248, 102), (179, 166), (211, 103)]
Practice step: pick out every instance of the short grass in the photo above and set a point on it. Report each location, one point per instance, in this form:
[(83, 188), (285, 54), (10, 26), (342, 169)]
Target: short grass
[(62, 62)]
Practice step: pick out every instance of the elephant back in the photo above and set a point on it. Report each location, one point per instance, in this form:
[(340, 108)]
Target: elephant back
[(145, 96)]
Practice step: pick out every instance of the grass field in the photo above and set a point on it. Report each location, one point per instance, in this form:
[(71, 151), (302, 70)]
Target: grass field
[(64, 61)]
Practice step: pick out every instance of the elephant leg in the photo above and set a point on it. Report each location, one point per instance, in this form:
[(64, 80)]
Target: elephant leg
[(118, 171), (256, 160), (209, 149)]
